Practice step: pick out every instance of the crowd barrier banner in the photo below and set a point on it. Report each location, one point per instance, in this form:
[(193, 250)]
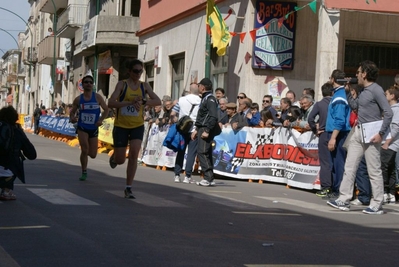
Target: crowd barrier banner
[(25, 121), (59, 125), (105, 131), (278, 155), (156, 154)]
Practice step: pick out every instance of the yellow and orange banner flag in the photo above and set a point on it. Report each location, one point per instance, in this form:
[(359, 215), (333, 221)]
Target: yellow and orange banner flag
[(219, 30)]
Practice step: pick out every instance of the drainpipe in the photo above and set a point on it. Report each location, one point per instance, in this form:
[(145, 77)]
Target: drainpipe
[(95, 88), (53, 74)]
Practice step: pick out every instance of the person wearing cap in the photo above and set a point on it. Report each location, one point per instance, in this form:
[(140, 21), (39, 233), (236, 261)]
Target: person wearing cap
[(337, 128), (231, 112), (129, 99), (88, 120), (207, 128)]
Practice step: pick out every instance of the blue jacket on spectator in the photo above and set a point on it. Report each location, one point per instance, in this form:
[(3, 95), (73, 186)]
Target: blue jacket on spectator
[(338, 112), (254, 121), (174, 140)]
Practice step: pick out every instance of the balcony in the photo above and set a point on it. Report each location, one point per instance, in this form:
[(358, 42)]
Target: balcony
[(47, 6), (46, 50), (27, 57), (70, 20), (107, 31)]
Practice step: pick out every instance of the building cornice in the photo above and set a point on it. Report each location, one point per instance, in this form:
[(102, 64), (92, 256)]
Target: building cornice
[(185, 14)]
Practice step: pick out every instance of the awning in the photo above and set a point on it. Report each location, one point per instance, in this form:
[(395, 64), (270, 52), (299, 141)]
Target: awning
[(384, 6)]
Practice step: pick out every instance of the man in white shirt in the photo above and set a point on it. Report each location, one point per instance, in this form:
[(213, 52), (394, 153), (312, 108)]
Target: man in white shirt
[(186, 104)]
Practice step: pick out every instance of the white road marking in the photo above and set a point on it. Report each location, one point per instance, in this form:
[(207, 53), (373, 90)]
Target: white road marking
[(266, 213), (32, 185), (294, 265), (61, 197), (304, 204), (24, 227), (149, 200), (224, 192)]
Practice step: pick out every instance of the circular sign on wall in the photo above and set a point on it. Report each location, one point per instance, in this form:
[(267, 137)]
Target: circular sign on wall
[(80, 86), (228, 15)]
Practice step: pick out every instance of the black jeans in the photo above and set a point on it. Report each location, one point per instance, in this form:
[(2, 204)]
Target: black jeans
[(204, 152), (388, 168), (363, 183), (325, 162), (7, 182), (36, 126), (191, 154)]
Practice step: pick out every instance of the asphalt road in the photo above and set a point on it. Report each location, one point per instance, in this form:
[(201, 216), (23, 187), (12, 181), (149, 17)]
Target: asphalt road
[(60, 221)]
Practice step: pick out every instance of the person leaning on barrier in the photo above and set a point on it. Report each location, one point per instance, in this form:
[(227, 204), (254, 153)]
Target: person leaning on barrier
[(267, 119), (285, 104), (244, 107), (231, 115), (306, 106)]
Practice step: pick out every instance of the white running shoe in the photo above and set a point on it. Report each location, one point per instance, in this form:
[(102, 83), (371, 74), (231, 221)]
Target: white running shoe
[(188, 180), (177, 179)]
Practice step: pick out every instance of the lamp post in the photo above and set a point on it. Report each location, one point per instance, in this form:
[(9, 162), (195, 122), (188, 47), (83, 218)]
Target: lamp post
[(31, 48), (55, 46), (15, 40)]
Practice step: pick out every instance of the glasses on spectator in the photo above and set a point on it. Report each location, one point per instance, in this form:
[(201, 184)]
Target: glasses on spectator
[(266, 101), (88, 82), (137, 71), (240, 97)]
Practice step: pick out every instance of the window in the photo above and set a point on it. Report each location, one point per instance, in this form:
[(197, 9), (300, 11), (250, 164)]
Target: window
[(177, 62), (385, 55), (149, 72), (219, 66), (130, 8)]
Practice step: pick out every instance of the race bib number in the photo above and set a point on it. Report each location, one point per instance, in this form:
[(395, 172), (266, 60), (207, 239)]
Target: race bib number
[(88, 118), (129, 111)]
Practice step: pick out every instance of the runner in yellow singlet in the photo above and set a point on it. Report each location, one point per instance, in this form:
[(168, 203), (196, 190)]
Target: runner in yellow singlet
[(129, 98)]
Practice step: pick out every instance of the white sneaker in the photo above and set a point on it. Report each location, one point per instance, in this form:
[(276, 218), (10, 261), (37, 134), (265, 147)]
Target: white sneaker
[(177, 179), (356, 202), (385, 199), (391, 199), (188, 180), (203, 183)]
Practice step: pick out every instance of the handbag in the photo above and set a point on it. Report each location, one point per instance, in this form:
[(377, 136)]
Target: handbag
[(185, 123)]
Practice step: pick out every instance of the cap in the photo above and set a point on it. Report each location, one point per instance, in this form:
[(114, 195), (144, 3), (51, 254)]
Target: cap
[(88, 74), (205, 82), (231, 105)]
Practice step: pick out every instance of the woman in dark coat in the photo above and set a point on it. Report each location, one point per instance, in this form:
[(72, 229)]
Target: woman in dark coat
[(11, 160)]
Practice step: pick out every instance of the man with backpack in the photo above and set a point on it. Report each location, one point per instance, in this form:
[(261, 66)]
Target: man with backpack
[(187, 106)]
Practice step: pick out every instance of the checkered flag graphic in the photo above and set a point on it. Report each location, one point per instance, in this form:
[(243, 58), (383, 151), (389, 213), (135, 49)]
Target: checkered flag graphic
[(236, 162)]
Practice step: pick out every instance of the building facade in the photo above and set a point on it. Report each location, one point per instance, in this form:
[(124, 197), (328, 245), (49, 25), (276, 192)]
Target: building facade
[(269, 53)]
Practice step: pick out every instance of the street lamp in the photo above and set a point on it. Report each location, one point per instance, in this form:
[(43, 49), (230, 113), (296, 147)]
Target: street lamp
[(31, 47), (15, 40)]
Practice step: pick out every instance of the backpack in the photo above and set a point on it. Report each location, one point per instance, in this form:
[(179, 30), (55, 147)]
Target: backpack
[(185, 123), (6, 142)]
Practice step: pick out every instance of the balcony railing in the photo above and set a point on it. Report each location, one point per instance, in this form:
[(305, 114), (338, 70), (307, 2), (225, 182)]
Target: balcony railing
[(72, 18), (46, 50)]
